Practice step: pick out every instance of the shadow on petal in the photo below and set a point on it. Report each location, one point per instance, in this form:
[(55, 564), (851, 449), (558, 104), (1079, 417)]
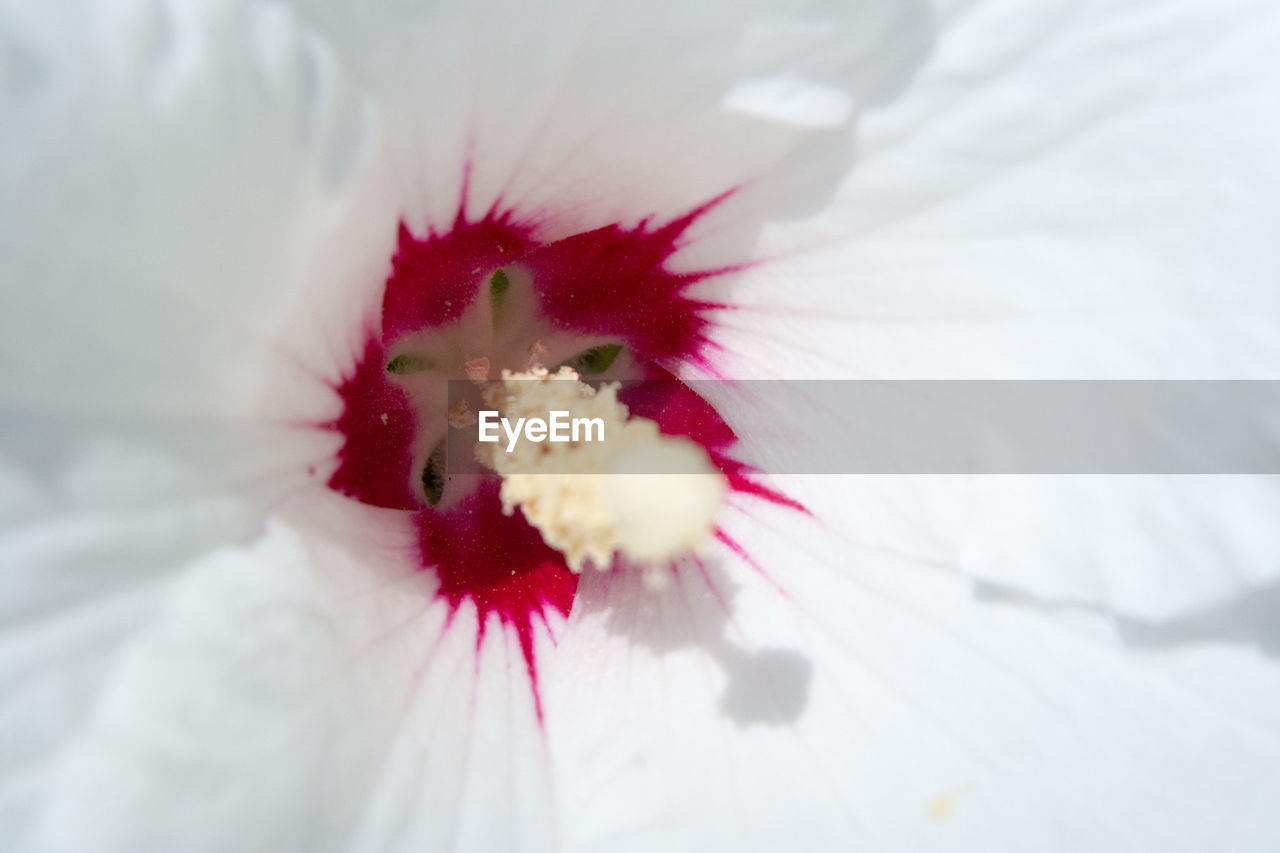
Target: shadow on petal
[(1249, 619), (763, 686)]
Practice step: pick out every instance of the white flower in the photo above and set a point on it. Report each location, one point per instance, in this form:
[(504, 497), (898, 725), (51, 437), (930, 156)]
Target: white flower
[(204, 647)]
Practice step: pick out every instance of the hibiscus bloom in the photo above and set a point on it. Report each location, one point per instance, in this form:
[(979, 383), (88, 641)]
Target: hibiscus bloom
[(234, 617)]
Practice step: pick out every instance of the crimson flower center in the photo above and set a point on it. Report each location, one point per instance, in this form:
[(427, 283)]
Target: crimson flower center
[(482, 294)]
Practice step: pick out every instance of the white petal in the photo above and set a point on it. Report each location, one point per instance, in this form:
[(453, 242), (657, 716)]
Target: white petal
[(299, 694), (582, 113), (168, 202), (175, 178), (1064, 190), (879, 706)]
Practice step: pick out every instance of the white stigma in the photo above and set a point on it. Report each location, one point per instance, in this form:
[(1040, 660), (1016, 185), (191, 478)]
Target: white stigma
[(585, 497)]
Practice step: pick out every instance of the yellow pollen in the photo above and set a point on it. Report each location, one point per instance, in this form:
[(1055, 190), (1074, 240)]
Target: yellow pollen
[(585, 497), (477, 369), (460, 414)]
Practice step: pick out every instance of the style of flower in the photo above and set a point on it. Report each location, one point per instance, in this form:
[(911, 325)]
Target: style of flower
[(241, 610)]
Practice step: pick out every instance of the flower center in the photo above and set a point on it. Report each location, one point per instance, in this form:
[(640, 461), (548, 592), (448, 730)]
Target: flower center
[(629, 493), (481, 296)]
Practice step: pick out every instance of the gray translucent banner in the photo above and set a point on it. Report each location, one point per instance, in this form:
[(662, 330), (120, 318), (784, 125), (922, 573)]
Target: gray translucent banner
[(966, 427)]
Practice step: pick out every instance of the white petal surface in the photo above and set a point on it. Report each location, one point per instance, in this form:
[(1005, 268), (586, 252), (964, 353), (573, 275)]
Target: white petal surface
[(301, 694), (584, 113), (1065, 190), (174, 300), (878, 705)]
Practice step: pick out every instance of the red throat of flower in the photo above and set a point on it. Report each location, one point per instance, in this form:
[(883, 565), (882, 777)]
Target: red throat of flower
[(478, 293)]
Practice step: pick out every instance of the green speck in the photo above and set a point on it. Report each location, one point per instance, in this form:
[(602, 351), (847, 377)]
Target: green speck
[(594, 360), (499, 284), (433, 476), (407, 363)]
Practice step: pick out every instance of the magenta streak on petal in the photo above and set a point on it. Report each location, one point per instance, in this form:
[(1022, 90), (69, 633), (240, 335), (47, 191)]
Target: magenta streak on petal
[(500, 564), (711, 586), (612, 281), (379, 426), (736, 547), (434, 280), (740, 481)]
